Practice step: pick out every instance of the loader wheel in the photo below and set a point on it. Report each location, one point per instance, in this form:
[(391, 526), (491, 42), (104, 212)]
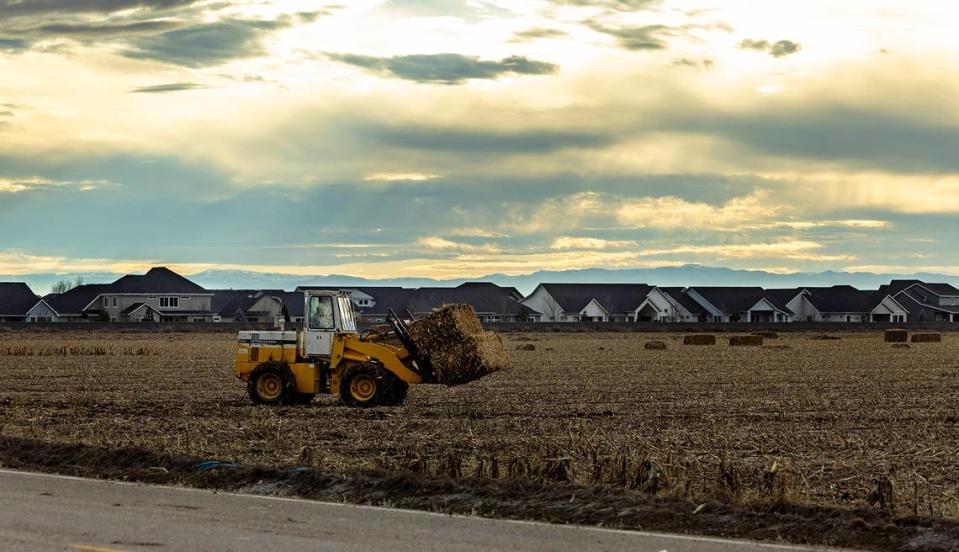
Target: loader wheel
[(269, 386), (303, 398), (399, 389), (364, 386)]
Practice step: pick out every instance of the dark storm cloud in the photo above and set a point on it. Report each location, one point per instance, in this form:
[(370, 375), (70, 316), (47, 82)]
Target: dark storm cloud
[(18, 8), (538, 33), (779, 49), (206, 44), (446, 68), (481, 142), (171, 87), (859, 138)]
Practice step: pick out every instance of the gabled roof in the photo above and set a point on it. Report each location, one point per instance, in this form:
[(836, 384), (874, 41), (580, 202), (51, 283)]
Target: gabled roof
[(843, 299), (679, 295), (731, 300), (72, 303), (915, 295), (941, 289), (137, 306), (157, 280), (385, 298), (780, 297), (482, 296), (615, 298), (16, 298), (227, 302)]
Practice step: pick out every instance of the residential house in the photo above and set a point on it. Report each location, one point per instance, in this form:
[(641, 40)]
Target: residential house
[(16, 300), (66, 307), (160, 295), (491, 302), (686, 308), (605, 303), (740, 304), (258, 306), (926, 302), (845, 304)]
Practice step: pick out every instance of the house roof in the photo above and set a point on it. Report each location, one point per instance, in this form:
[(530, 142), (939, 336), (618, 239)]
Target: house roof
[(780, 297), (916, 296), (615, 298), (227, 302), (73, 302), (843, 299), (732, 300), (385, 298), (157, 280), (16, 298), (679, 295), (137, 306), (941, 289), (482, 296)]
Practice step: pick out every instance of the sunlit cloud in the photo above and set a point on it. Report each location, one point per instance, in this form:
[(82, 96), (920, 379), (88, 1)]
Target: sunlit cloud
[(568, 242)]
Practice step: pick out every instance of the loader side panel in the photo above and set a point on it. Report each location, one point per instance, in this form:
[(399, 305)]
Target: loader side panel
[(255, 348)]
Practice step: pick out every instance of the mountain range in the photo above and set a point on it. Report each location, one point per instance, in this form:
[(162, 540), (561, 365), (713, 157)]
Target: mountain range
[(686, 275)]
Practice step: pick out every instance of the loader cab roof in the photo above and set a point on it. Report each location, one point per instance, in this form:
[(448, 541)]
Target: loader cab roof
[(322, 291)]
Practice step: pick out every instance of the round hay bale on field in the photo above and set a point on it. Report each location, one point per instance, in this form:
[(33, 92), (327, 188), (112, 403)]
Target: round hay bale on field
[(699, 339), (927, 338), (767, 335), (746, 341), (527, 347), (655, 346), (897, 336)]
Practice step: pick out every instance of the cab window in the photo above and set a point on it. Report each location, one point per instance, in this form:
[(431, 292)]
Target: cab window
[(321, 313), (346, 313)]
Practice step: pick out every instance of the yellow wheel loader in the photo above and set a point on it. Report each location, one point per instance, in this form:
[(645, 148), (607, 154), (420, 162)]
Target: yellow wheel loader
[(328, 356)]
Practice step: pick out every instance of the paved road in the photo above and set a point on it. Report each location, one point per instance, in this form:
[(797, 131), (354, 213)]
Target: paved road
[(43, 512)]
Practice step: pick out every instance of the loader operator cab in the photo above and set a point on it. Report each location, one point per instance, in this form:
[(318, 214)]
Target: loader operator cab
[(327, 313)]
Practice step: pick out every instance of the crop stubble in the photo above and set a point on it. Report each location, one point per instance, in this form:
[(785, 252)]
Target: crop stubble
[(820, 422)]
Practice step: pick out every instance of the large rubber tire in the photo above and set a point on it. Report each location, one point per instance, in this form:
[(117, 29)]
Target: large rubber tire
[(271, 384), (303, 398), (399, 390), (365, 386)]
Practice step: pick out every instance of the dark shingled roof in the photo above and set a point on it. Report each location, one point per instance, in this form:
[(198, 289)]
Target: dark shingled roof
[(678, 294), (920, 297), (781, 297), (157, 280), (942, 289), (731, 300), (843, 299), (615, 298), (16, 299), (385, 298), (74, 301), (484, 297)]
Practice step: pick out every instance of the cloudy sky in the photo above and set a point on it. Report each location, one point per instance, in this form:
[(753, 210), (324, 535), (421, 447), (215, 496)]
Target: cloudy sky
[(456, 138)]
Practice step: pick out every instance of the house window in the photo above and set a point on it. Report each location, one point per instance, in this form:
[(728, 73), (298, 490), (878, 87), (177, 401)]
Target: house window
[(115, 302), (169, 302), (106, 302)]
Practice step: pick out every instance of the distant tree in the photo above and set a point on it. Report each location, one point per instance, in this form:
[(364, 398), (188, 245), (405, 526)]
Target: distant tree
[(64, 286)]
